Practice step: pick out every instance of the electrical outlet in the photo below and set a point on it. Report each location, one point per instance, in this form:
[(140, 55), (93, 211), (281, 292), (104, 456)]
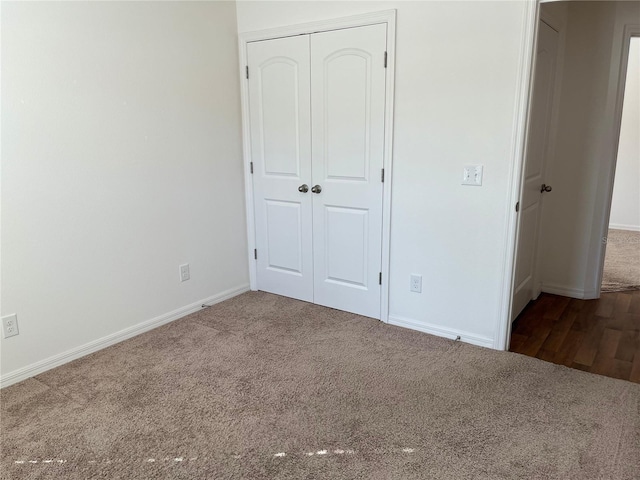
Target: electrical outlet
[(416, 283), (184, 272), (472, 175), (10, 325)]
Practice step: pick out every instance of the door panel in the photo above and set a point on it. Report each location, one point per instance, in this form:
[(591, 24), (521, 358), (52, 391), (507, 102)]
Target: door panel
[(537, 152), (280, 122), (348, 101), (346, 122), (346, 233), (284, 236), (279, 146)]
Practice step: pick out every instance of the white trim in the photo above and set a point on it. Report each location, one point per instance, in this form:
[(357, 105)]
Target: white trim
[(441, 332), (388, 165), (630, 30), (78, 352), (516, 170), (569, 292), (248, 178), (620, 226), (389, 18), (384, 16)]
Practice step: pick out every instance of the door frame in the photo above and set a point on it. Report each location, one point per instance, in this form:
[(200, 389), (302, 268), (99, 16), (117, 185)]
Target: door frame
[(519, 138), (630, 30), (387, 17)]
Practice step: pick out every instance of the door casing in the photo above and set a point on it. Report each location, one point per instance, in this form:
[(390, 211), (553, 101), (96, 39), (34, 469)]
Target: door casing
[(528, 45), (387, 17)]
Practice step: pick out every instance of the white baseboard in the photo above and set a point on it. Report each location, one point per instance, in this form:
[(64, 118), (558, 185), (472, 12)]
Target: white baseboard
[(620, 226), (441, 332), (95, 345), (569, 292)]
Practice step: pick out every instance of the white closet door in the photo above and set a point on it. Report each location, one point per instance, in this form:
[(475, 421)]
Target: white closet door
[(347, 104), (279, 105)]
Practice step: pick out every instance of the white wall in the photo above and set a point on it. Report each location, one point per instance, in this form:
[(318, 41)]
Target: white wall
[(573, 213), (121, 159), (625, 206), (457, 68)]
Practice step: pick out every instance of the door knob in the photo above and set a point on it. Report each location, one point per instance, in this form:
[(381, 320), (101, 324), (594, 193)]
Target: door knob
[(316, 189), (304, 188), (545, 188)]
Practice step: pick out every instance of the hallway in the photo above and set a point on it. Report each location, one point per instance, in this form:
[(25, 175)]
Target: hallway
[(599, 336)]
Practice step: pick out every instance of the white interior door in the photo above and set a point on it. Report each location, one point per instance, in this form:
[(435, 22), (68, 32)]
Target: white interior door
[(537, 151), (347, 104), (280, 122)]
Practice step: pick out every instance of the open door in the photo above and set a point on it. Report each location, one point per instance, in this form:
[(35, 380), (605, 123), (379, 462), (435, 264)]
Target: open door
[(534, 188)]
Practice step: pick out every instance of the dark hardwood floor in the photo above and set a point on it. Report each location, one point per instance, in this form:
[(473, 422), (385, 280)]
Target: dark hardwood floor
[(599, 336)]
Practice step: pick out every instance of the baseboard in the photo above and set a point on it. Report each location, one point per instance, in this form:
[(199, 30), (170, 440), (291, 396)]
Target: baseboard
[(95, 345), (441, 332), (620, 226), (569, 292)]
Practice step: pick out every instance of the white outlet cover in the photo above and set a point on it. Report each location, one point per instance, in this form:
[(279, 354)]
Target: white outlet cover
[(415, 284), (184, 272), (472, 175), (10, 326)]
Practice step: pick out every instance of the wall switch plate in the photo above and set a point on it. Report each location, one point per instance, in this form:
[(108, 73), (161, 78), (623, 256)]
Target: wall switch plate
[(184, 272), (10, 325), (472, 175), (416, 284)]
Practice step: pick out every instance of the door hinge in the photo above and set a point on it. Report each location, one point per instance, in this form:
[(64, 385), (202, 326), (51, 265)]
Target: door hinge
[(382, 176), (251, 167), (247, 71), (518, 207), (380, 278), (255, 253), (385, 59)]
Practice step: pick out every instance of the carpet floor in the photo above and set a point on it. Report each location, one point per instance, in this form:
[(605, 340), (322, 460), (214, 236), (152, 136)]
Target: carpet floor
[(622, 261), (265, 387)]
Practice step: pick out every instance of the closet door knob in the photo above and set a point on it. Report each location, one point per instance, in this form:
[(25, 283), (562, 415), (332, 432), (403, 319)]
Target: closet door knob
[(304, 188), (316, 189), (545, 188)]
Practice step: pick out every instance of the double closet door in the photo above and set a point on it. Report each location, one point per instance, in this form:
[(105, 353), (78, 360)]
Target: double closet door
[(317, 125)]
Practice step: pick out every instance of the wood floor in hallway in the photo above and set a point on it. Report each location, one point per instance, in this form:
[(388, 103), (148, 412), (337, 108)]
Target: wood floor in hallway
[(600, 336)]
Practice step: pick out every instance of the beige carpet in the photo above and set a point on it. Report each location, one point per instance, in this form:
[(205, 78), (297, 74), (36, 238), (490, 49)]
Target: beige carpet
[(264, 387), (622, 261)]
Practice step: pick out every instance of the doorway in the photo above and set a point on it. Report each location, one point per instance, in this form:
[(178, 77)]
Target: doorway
[(571, 322), (594, 39), (622, 259)]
